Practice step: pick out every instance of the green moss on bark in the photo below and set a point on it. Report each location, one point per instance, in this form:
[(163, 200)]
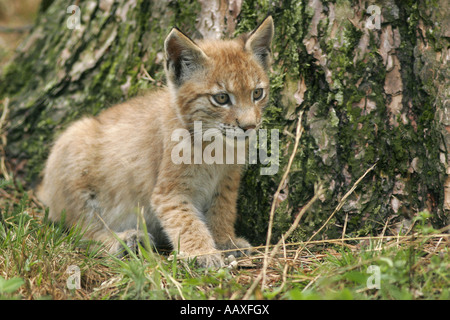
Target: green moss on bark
[(347, 125), (57, 77)]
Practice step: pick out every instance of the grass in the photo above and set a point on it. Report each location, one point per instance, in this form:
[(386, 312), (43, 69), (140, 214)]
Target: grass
[(36, 258)]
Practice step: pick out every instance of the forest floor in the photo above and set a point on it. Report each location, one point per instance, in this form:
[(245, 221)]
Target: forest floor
[(43, 260)]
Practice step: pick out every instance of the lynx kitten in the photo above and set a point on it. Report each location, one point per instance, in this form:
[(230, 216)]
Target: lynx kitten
[(102, 168)]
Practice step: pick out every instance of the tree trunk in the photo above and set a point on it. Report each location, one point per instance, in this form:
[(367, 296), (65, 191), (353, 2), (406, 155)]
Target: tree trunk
[(373, 85)]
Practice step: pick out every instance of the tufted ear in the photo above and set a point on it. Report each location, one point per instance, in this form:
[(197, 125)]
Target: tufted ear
[(183, 57), (259, 40)]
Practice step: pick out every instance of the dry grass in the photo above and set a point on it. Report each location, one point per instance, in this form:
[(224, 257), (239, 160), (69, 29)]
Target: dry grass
[(40, 253)]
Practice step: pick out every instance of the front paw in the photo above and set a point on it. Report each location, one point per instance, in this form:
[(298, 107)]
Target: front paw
[(131, 240), (211, 260), (237, 247)]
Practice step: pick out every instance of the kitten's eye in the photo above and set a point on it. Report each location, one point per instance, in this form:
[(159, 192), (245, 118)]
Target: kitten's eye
[(221, 98), (257, 94)]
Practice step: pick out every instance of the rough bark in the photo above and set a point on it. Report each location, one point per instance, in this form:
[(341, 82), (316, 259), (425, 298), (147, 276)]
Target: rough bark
[(370, 95), (60, 74)]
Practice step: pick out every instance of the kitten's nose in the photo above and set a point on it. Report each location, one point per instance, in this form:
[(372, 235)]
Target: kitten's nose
[(245, 126)]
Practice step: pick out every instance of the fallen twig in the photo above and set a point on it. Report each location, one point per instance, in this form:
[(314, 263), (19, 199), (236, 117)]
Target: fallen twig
[(3, 141), (339, 206), (298, 135)]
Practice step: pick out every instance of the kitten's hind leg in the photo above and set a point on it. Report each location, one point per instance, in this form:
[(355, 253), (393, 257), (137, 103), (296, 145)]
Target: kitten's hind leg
[(130, 238), (237, 247), (118, 243)]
